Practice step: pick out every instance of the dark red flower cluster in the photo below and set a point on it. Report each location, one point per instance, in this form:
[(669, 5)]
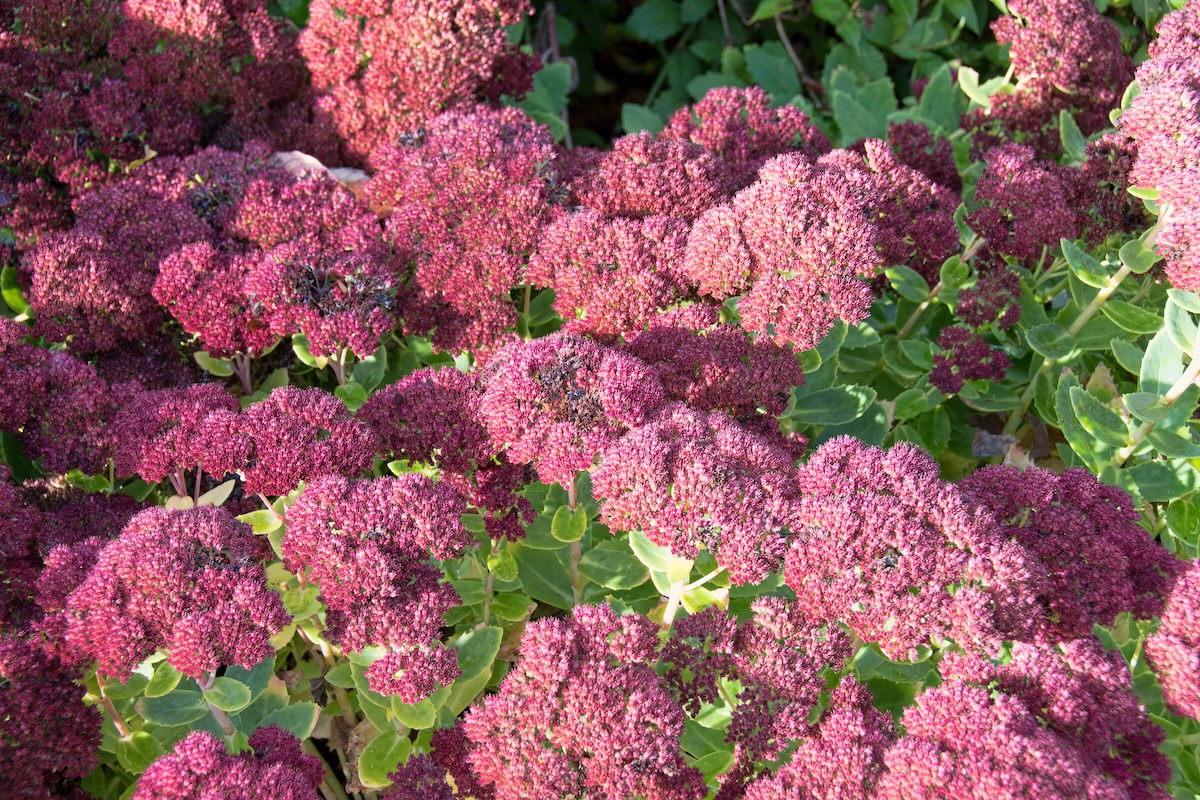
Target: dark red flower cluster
[(365, 544), (1098, 562), (1023, 204), (691, 479), (1066, 57), (54, 403), (228, 54), (340, 300), (842, 756), (384, 69), (1165, 126), (467, 197), (1174, 651), (715, 366), (298, 435), (913, 214), (610, 275), (48, 738), (743, 129), (201, 767), (643, 177), (559, 401), (91, 286), (915, 146), (190, 582), (583, 712), (800, 239), (965, 356), (902, 558), (1060, 722), (433, 416), (171, 431)]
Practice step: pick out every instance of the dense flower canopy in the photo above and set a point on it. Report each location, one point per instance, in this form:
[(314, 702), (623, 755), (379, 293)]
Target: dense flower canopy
[(424, 399)]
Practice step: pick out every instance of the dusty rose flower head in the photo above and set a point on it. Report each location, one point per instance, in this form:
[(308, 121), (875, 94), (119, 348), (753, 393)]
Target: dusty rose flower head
[(583, 711), (1098, 561), (995, 297), (200, 766), (841, 758), (212, 182), (610, 276), (431, 416), (186, 581), (1164, 123), (301, 434), (338, 299), (31, 208), (73, 30), (690, 479), (42, 521), (1084, 694), (742, 128), (1174, 651), (965, 356), (204, 288), (230, 54), (962, 742), (277, 207), (420, 778), (384, 69), (913, 215), (1023, 204), (714, 366), (87, 131), (467, 201), (48, 737), (169, 431), (1066, 57), (66, 427), (779, 657), (91, 285), (900, 557), (798, 238), (365, 544), (558, 401), (643, 176), (915, 146)]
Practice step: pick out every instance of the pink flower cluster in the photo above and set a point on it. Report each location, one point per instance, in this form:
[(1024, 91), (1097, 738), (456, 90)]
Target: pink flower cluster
[(691, 479), (466, 200), (365, 545), (610, 276), (799, 239), (190, 582), (200, 767), (1174, 651), (382, 70), (48, 738), (583, 711), (903, 559), (1066, 57), (1098, 562), (741, 127), (1165, 126), (558, 401), (433, 416)]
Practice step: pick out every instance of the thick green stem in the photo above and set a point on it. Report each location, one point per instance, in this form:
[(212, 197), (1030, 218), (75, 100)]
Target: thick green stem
[(1014, 419), (674, 598), (220, 716), (916, 315), (1173, 394), (105, 702), (576, 546)]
